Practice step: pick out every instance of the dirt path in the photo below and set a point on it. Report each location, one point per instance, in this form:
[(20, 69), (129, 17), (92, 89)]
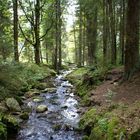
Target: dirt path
[(127, 92)]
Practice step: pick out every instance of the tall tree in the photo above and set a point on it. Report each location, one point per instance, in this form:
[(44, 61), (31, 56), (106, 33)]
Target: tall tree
[(132, 37), (92, 36), (113, 32), (37, 32), (122, 29), (15, 11), (6, 31), (80, 38), (56, 35), (33, 15), (105, 37), (60, 33)]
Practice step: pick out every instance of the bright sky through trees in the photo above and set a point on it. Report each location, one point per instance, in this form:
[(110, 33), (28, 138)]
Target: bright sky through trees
[(70, 15)]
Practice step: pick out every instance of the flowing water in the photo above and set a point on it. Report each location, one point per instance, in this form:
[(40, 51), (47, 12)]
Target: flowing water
[(61, 119)]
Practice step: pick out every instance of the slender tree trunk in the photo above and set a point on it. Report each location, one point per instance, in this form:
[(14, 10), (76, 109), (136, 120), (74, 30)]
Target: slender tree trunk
[(59, 30), (47, 55), (80, 40), (132, 37), (84, 40), (37, 32), (3, 53), (104, 32), (56, 67), (113, 33), (122, 30), (75, 43), (15, 10)]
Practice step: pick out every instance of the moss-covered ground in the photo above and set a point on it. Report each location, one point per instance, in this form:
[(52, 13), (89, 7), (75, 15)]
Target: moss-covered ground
[(108, 121), (15, 81)]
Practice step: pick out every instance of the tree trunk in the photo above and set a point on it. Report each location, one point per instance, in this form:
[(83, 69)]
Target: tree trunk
[(59, 33), (15, 10), (80, 40), (113, 33), (92, 38), (84, 40), (132, 38), (37, 32), (122, 30), (104, 32), (47, 55), (56, 63), (75, 44)]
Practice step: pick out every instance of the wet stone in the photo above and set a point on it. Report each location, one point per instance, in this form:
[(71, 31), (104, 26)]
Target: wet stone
[(59, 121)]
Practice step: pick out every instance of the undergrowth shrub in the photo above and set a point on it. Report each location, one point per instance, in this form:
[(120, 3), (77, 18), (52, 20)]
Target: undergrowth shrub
[(15, 78)]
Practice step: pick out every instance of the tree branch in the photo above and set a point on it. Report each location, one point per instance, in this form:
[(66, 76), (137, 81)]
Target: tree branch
[(28, 40), (27, 17), (47, 30)]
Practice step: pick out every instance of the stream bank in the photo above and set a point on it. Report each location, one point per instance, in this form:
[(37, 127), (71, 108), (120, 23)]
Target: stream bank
[(112, 112), (59, 119)]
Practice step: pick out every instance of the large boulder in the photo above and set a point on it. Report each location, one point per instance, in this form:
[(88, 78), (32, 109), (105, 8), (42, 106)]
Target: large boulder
[(41, 109), (13, 105)]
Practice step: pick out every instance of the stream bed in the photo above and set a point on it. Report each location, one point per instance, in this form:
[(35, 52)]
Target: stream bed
[(61, 119)]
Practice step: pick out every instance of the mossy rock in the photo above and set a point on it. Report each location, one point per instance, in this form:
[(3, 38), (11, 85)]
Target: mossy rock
[(50, 90), (44, 85), (38, 99), (11, 123), (41, 109), (13, 105), (24, 116), (32, 93), (3, 131), (88, 119), (85, 137), (41, 86)]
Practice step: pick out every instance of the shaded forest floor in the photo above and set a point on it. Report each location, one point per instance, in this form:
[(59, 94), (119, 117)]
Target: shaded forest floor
[(124, 92), (110, 106)]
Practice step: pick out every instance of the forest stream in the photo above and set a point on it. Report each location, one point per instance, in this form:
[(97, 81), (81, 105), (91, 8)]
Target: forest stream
[(59, 121)]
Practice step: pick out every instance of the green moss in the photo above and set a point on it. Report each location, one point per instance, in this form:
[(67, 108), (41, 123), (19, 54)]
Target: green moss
[(11, 123), (85, 137), (112, 128), (97, 134), (76, 76), (18, 78), (88, 120), (3, 131), (103, 125), (85, 79), (86, 101), (24, 116)]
